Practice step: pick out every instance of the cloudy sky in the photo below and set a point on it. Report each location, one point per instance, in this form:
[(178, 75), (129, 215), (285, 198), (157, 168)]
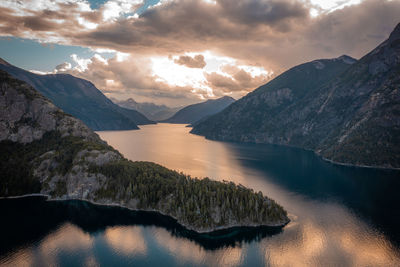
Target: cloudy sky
[(179, 52)]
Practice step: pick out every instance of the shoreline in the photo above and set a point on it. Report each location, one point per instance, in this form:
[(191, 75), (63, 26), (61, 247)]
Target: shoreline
[(305, 149), (197, 231), (353, 165)]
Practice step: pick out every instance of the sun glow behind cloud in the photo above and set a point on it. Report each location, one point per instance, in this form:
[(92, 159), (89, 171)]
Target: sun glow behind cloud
[(166, 70)]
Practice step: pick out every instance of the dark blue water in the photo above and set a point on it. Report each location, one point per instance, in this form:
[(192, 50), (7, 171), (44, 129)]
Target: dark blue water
[(341, 216)]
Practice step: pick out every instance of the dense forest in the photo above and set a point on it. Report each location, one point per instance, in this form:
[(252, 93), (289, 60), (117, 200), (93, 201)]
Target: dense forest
[(202, 203)]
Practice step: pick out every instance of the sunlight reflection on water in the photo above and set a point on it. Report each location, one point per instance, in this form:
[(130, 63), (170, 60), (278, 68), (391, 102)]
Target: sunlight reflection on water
[(328, 225)]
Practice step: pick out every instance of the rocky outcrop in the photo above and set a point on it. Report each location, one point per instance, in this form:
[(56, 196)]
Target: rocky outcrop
[(25, 115), (349, 114)]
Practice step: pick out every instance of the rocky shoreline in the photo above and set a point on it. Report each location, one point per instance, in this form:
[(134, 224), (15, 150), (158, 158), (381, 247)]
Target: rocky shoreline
[(354, 165)]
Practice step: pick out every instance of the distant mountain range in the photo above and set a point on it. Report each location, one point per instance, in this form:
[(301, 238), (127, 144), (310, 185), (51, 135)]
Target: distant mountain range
[(197, 112), (150, 110), (345, 110), (81, 99)]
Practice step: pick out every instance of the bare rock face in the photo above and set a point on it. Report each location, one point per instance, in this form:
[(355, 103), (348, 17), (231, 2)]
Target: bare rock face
[(25, 118), (62, 161), (79, 182)]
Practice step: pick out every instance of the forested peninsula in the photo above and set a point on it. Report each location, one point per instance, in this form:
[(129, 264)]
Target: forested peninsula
[(47, 151)]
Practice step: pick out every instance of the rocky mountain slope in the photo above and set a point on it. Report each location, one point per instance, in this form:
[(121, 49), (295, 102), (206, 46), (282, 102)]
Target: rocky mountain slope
[(44, 150), (150, 110), (350, 115), (196, 112), (81, 99)]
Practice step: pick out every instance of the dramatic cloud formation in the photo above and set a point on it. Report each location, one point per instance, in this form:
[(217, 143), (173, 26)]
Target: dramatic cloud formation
[(269, 35), (160, 80)]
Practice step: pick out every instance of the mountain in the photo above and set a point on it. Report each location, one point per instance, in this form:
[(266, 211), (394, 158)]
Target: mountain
[(259, 108), (46, 151), (196, 112), (347, 113), (81, 99), (150, 110)]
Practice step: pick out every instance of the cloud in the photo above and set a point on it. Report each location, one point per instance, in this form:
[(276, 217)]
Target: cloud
[(275, 34), (63, 67), (271, 34), (81, 63), (140, 78), (184, 25), (191, 62), (232, 78), (160, 27), (270, 12), (113, 9), (129, 77)]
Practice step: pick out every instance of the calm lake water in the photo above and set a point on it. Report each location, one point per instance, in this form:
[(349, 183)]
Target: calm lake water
[(341, 216)]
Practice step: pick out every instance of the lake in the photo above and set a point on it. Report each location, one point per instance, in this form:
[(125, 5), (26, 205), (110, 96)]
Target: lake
[(340, 216)]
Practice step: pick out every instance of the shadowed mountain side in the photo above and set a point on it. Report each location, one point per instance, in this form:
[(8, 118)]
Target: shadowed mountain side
[(81, 99), (346, 111)]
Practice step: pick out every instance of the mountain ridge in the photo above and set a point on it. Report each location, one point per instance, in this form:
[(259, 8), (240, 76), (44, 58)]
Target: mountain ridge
[(196, 112), (150, 110), (351, 118), (81, 99)]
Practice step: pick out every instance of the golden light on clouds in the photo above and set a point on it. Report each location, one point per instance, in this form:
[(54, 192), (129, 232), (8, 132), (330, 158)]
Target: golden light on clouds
[(173, 71), (174, 74), (176, 51)]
